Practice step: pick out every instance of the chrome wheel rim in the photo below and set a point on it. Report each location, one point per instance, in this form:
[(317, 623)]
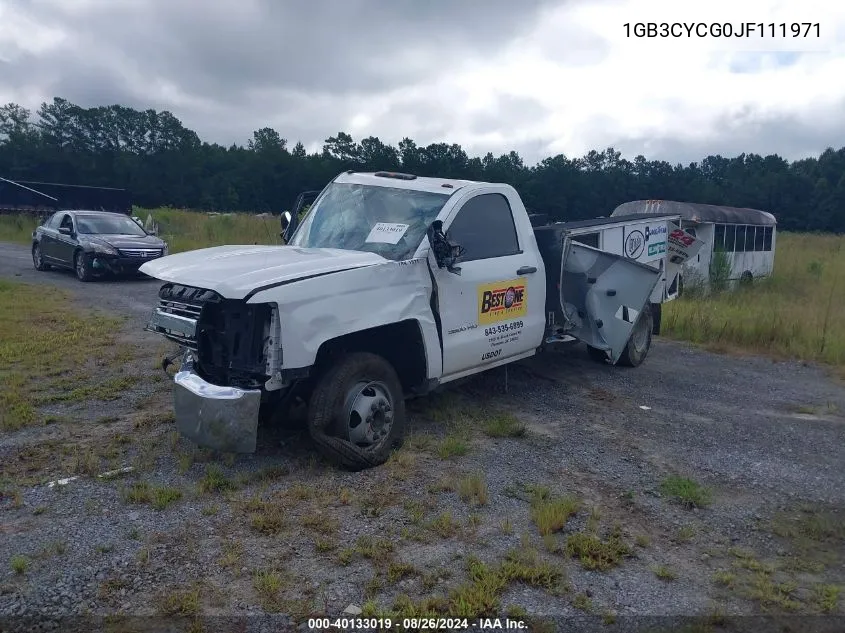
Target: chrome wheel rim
[(36, 256), (80, 266), (368, 413)]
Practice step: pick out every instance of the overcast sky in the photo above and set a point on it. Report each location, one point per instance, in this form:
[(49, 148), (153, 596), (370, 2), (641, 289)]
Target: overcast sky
[(542, 77)]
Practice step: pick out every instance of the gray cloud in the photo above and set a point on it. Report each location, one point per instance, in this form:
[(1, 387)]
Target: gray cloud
[(748, 131), (227, 48), (306, 68), (506, 110), (228, 67)]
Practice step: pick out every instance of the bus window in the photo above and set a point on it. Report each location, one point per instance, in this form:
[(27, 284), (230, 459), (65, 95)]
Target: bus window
[(730, 237), (740, 239), (749, 238), (719, 237), (758, 239), (767, 239)]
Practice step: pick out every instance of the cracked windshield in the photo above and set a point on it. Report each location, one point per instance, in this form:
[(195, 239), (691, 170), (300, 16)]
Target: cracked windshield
[(384, 220)]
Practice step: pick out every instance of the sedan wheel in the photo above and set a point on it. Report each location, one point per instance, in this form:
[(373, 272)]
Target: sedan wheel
[(82, 266), (37, 259)]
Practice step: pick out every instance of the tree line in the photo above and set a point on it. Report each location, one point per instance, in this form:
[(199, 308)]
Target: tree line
[(161, 162)]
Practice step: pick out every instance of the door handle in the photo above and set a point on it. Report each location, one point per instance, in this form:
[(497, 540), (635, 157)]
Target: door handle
[(526, 269)]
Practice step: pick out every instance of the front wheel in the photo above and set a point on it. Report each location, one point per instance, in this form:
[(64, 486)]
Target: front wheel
[(356, 414), (639, 344), (38, 258), (82, 266)]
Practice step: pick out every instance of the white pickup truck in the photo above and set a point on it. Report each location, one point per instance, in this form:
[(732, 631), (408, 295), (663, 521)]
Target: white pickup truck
[(390, 285)]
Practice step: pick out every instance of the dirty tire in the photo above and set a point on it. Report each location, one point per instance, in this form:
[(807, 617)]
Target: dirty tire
[(37, 259), (326, 410), (82, 266), (746, 279), (657, 317), (639, 344), (597, 355)]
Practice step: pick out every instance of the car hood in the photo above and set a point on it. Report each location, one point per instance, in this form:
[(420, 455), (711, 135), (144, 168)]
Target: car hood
[(125, 241), (235, 271)]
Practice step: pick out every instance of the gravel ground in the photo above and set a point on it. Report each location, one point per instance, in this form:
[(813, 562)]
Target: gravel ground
[(278, 535)]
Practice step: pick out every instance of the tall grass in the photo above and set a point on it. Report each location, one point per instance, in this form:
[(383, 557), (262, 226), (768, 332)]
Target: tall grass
[(17, 228), (188, 230), (799, 312)]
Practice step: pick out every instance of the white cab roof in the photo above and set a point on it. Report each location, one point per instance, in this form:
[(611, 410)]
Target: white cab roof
[(446, 186)]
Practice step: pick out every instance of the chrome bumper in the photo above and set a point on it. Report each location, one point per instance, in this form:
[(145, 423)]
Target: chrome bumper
[(220, 418)]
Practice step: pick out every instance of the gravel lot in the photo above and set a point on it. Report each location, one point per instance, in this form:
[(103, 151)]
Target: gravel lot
[(279, 535)]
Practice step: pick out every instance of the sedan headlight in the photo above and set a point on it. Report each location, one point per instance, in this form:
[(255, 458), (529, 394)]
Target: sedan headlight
[(102, 249)]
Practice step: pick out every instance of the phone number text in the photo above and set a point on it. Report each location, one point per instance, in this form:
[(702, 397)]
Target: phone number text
[(505, 327)]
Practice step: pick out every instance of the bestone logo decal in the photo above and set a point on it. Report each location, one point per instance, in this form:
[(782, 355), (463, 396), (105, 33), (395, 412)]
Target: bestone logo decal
[(634, 244), (502, 300)]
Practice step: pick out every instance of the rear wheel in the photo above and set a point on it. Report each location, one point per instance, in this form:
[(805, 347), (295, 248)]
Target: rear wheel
[(82, 266), (639, 344), (38, 259), (356, 414)]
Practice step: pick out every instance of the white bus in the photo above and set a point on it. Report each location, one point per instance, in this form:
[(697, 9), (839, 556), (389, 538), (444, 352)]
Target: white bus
[(746, 236)]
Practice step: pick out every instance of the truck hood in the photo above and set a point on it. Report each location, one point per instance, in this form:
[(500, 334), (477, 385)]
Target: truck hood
[(235, 271)]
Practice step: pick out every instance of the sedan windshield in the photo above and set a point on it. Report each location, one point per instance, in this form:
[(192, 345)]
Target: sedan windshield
[(384, 220), (108, 225)]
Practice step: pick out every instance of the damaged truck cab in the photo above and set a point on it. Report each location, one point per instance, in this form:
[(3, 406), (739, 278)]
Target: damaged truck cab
[(391, 285)]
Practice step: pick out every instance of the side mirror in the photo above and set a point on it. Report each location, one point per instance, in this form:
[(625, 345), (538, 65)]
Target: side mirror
[(65, 230), (290, 222), (445, 253)]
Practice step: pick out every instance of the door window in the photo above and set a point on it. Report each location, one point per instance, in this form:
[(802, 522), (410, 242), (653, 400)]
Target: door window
[(53, 221), (484, 227)]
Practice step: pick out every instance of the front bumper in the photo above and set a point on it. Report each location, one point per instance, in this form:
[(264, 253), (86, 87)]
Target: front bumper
[(116, 264), (220, 418)]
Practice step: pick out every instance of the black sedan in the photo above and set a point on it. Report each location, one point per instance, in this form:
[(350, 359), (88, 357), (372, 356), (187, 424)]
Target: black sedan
[(92, 242)]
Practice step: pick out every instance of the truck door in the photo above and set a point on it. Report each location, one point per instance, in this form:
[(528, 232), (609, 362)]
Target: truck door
[(602, 295), (493, 310)]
